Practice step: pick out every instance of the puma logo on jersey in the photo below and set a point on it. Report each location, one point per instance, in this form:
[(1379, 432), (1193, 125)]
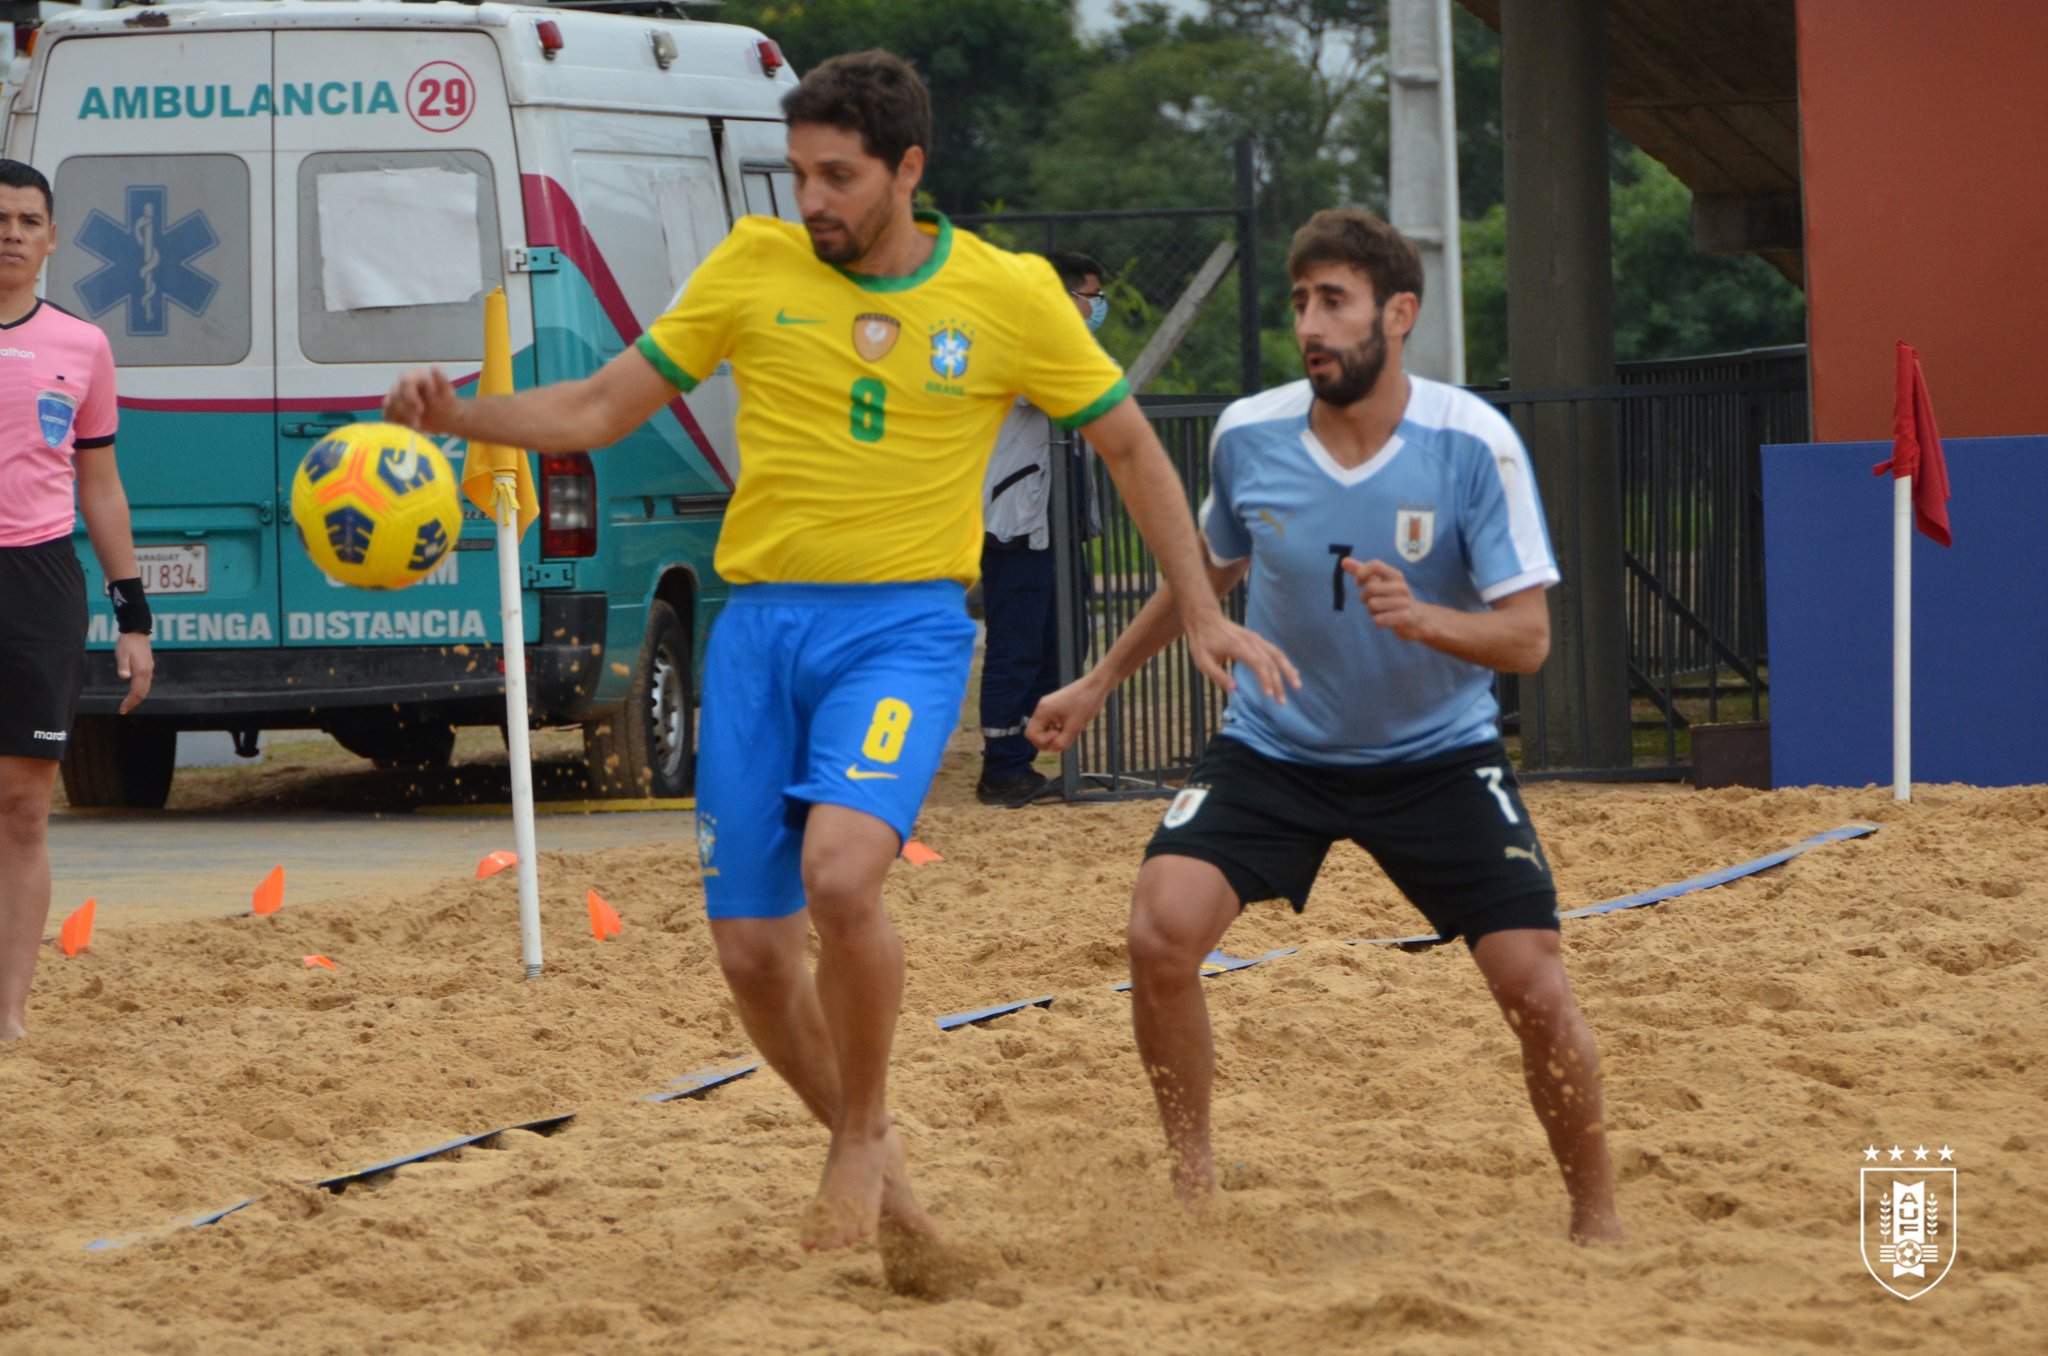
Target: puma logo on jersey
[(1511, 852)]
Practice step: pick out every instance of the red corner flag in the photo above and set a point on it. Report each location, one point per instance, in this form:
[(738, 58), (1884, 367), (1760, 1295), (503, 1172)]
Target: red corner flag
[(1916, 448)]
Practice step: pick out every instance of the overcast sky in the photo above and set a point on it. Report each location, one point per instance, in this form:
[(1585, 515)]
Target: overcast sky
[(1096, 14)]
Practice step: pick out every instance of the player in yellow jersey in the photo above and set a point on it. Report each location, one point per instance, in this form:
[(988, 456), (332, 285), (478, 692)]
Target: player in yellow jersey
[(876, 351)]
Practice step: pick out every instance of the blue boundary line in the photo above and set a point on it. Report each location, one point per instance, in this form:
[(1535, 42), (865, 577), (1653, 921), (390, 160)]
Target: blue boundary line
[(960, 1019), (1218, 963), (704, 1080)]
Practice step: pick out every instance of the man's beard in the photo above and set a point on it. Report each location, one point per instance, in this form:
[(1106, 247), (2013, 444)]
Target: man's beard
[(1358, 369), (854, 241)]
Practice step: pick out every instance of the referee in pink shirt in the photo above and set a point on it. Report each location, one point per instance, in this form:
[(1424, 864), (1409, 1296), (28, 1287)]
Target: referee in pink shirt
[(57, 418)]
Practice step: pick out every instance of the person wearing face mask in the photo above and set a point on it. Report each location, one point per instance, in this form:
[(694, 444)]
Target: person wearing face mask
[(1021, 662)]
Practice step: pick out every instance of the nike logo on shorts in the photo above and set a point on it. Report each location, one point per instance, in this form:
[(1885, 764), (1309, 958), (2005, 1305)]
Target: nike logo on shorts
[(856, 773)]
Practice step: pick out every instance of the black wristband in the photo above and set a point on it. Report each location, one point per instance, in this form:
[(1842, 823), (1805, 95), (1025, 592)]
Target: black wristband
[(131, 608)]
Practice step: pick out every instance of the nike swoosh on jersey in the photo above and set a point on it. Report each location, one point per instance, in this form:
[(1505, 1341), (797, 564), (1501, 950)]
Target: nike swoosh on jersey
[(855, 772), (785, 318)]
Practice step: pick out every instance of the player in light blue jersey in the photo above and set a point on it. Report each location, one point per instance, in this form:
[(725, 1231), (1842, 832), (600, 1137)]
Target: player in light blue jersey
[(1396, 551)]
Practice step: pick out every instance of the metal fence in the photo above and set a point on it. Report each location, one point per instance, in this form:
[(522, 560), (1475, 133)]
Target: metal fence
[(1148, 257), (1686, 436)]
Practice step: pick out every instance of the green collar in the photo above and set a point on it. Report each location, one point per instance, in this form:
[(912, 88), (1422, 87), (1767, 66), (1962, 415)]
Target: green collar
[(870, 282)]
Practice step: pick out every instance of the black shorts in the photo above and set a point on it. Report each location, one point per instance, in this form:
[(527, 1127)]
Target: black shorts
[(1450, 832), (42, 647)]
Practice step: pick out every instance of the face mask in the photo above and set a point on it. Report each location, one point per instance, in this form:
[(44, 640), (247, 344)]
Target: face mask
[(1098, 311)]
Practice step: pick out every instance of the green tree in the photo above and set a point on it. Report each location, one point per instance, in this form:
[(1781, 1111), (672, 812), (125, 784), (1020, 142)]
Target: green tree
[(996, 73), (1670, 301)]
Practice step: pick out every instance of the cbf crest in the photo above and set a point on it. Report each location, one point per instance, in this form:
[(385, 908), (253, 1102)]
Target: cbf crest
[(1908, 1221), (1414, 531)]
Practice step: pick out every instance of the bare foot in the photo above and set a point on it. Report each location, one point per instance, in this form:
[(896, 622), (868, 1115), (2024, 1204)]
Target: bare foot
[(1595, 1226), (12, 1031), (1194, 1185), (900, 1209), (849, 1200)]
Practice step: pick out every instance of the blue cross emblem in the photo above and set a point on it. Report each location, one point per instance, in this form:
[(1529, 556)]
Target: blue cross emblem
[(949, 353), (147, 262)]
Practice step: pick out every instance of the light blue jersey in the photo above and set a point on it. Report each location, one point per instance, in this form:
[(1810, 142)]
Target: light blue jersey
[(1449, 501)]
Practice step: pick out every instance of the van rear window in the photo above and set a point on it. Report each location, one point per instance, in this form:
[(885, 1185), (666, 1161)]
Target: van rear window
[(154, 249), (397, 250), (771, 192)]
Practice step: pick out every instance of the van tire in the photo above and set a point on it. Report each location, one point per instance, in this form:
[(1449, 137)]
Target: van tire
[(119, 763), (648, 747), (400, 744)]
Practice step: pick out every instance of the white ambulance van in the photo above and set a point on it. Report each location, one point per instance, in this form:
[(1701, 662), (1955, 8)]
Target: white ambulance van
[(273, 209)]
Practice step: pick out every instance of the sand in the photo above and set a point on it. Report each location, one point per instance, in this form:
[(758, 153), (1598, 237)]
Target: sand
[(1387, 1188)]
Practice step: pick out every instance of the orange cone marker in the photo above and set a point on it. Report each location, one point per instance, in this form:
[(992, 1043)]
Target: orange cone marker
[(76, 934), (495, 862), (917, 854), (604, 919), (269, 896), (321, 961)]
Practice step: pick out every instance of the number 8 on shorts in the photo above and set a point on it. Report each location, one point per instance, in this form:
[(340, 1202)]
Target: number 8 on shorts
[(886, 732)]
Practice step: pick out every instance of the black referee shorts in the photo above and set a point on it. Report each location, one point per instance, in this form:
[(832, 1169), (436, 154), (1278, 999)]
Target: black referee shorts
[(42, 647), (1451, 832)]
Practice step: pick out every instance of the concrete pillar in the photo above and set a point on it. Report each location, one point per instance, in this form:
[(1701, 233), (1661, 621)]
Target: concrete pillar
[(1422, 179), (1561, 337)]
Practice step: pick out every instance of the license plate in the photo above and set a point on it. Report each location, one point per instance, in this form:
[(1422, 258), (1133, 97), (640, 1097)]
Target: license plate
[(172, 569)]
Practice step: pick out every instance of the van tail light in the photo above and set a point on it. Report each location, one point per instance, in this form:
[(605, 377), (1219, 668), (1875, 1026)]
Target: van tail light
[(568, 505), (772, 59), (550, 34)]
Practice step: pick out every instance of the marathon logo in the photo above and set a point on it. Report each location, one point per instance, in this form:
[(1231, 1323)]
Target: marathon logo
[(424, 624), (192, 628), (54, 736), (160, 103)]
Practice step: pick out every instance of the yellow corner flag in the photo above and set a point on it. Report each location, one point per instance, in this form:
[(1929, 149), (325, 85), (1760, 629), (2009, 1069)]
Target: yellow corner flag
[(482, 463)]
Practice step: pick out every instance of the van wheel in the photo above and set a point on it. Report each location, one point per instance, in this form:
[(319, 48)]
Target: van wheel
[(119, 763), (400, 743), (649, 746)]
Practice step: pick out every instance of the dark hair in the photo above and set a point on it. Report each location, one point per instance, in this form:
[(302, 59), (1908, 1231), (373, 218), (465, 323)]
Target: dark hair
[(21, 174), (1073, 266), (1354, 236), (874, 93)]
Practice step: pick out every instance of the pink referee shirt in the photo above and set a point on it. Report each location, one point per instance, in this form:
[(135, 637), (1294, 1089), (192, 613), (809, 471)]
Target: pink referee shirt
[(56, 396)]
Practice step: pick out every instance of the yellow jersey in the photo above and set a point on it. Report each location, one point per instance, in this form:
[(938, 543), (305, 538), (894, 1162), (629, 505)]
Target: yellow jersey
[(868, 406)]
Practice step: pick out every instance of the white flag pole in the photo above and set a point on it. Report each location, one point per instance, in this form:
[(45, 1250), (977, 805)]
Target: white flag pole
[(518, 753), (1902, 638)]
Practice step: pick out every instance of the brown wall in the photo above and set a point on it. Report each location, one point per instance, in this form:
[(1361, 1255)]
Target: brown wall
[(1925, 151)]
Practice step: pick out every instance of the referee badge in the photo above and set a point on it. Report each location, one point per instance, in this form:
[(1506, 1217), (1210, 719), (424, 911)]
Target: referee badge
[(1414, 532), (1184, 806), (874, 335), (55, 410)]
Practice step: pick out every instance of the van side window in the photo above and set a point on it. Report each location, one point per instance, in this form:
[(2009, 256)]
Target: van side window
[(436, 212), (770, 193), (154, 249)]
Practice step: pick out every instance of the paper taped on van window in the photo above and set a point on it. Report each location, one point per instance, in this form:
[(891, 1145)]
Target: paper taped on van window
[(399, 237)]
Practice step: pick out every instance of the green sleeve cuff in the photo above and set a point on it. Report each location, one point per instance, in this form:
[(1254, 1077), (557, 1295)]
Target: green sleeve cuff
[(675, 376), (1088, 414)]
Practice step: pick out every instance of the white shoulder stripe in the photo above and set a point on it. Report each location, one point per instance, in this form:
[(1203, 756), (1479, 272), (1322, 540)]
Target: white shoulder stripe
[(1282, 402)]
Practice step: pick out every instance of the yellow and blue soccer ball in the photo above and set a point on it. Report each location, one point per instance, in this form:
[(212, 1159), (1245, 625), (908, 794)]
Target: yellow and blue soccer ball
[(376, 506)]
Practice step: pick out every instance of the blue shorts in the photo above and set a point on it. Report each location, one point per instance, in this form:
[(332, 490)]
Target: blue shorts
[(834, 694)]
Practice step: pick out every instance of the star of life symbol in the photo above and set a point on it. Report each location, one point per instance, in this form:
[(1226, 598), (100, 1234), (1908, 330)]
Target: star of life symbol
[(1908, 1219), (147, 261)]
